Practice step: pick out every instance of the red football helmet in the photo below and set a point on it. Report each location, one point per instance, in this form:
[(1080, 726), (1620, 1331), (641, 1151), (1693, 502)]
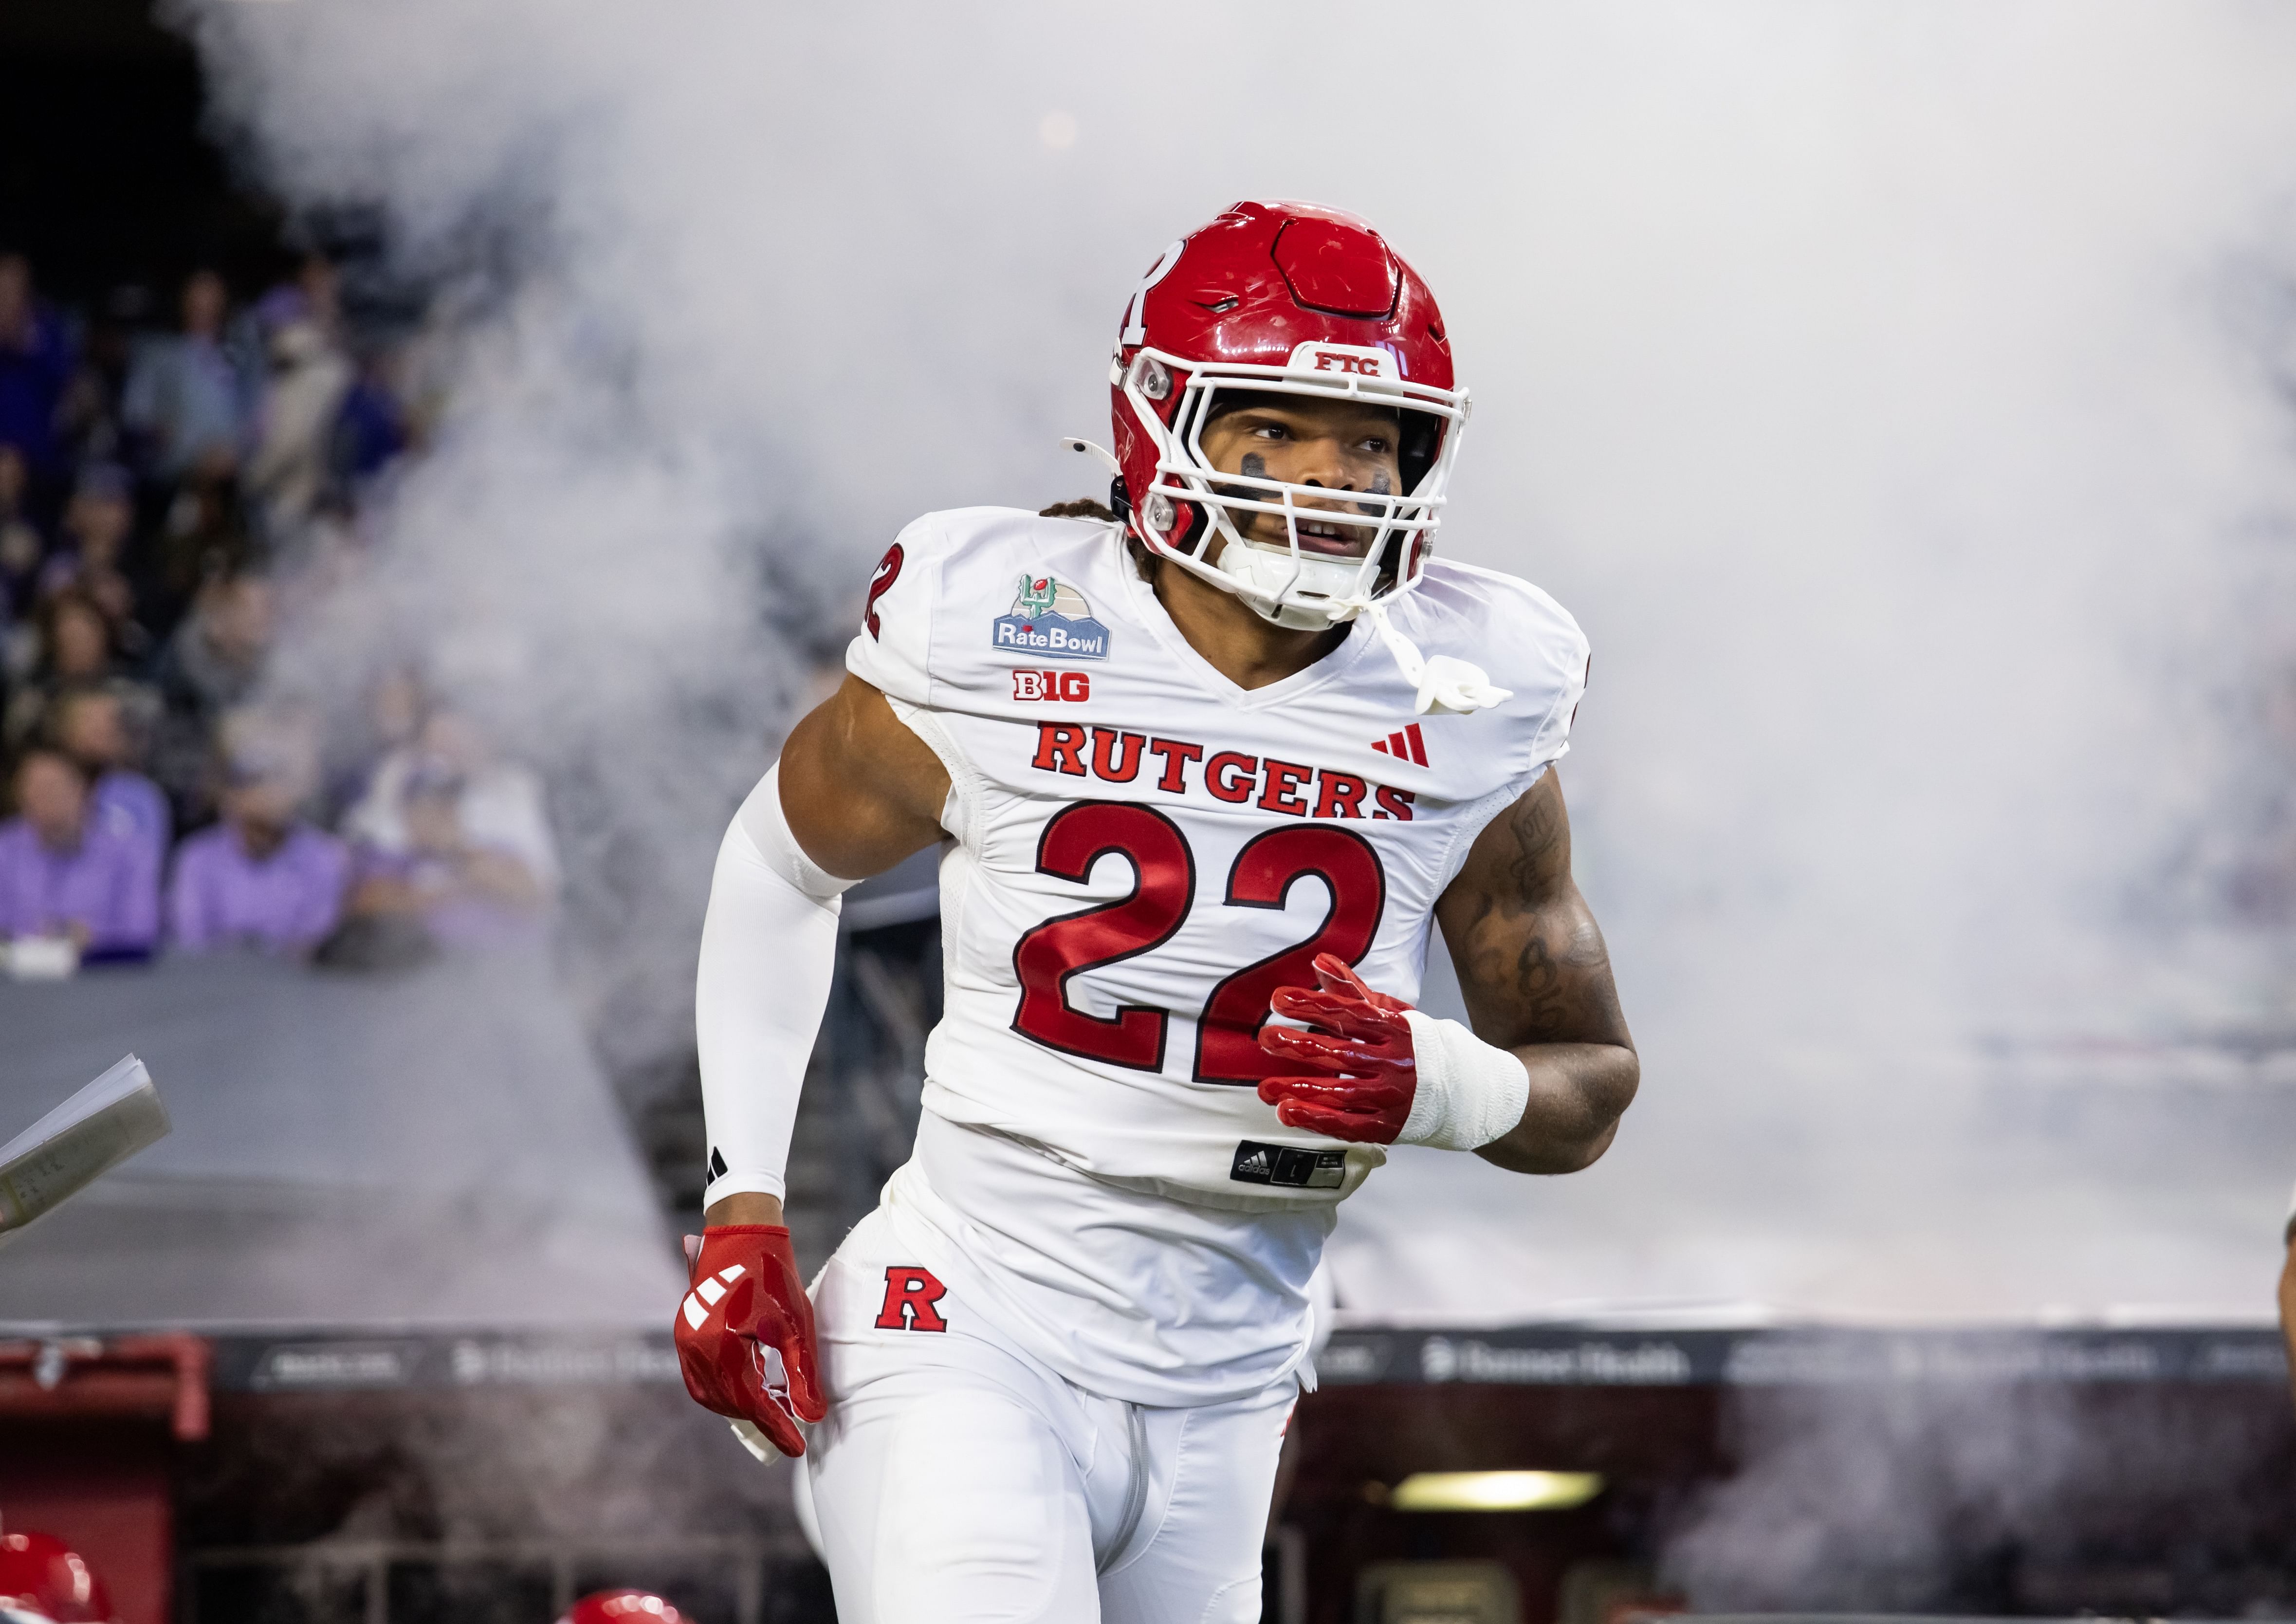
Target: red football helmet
[(623, 1607), (42, 1577), (1288, 299)]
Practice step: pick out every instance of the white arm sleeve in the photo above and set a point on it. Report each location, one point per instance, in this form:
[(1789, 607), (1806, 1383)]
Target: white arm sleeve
[(768, 948)]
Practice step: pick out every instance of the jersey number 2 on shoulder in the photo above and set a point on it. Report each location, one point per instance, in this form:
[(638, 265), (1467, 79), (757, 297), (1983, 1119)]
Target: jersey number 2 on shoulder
[(1163, 890)]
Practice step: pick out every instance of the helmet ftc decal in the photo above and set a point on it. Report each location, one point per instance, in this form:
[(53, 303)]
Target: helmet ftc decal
[(1051, 618)]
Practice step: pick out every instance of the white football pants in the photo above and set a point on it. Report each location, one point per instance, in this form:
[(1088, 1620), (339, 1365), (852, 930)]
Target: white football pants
[(959, 1481)]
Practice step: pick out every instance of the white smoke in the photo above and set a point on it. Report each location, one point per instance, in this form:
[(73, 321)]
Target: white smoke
[(1974, 1499), (1884, 388)]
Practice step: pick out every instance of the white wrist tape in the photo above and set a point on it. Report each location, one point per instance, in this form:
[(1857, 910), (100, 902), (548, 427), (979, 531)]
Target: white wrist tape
[(1470, 1092), (768, 950)]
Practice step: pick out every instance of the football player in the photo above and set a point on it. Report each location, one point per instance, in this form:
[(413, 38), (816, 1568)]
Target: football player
[(1204, 769)]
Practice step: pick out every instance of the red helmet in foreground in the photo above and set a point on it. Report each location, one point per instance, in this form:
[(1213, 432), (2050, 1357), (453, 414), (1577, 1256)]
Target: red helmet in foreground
[(1283, 299), (42, 1577), (623, 1607)]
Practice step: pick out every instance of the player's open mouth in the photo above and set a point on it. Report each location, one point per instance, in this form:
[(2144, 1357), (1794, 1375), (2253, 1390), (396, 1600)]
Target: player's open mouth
[(1344, 541)]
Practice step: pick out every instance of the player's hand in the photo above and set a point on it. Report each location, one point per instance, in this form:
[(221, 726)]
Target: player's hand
[(1356, 1033), (745, 1333)]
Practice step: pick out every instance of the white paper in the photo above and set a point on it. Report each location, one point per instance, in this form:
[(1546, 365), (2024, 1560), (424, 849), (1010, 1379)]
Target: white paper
[(40, 958), (96, 1129)]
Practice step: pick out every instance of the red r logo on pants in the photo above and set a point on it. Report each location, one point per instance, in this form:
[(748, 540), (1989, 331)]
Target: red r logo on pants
[(910, 1293)]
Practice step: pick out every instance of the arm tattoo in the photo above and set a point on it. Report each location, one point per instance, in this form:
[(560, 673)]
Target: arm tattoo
[(1540, 854), (1530, 947), (1538, 989), (1540, 849), (1537, 982)]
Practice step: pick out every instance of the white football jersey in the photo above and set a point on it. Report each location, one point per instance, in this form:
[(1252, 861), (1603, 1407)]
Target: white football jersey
[(1145, 851)]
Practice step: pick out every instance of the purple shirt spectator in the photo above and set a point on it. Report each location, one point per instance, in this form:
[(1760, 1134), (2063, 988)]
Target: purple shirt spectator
[(456, 915), (284, 903), (131, 807), (104, 885)]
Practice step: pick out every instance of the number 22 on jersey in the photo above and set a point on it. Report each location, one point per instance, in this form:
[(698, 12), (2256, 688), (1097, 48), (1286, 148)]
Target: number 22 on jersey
[(1163, 890)]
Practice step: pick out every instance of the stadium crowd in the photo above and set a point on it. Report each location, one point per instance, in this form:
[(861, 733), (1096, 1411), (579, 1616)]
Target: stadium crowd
[(169, 495)]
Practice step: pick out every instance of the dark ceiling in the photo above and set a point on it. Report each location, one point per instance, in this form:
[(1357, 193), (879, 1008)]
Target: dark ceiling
[(106, 179)]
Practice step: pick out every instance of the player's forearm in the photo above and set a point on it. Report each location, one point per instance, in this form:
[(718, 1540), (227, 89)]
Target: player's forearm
[(2288, 1310), (768, 951), (751, 1206), (851, 795), (1578, 1092)]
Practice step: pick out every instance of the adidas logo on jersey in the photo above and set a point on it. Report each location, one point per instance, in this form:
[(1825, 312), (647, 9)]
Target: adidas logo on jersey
[(1283, 1164), (1407, 745)]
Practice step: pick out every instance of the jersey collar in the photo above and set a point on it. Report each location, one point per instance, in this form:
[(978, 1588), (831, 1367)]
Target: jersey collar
[(1149, 610)]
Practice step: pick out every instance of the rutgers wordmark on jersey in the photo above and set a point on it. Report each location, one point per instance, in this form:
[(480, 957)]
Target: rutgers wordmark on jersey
[(1143, 851)]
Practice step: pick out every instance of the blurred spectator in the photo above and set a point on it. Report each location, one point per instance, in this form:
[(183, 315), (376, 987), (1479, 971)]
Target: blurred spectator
[(371, 427), (35, 363), (210, 665), (499, 804), (319, 285), (302, 400), (205, 536), (457, 837), (185, 397), (76, 650), (96, 526), (89, 414), (96, 727), (396, 708), (60, 876), (262, 877), (20, 549)]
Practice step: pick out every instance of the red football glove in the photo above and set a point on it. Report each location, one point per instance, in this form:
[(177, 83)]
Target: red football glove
[(745, 1333), (1356, 1032)]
